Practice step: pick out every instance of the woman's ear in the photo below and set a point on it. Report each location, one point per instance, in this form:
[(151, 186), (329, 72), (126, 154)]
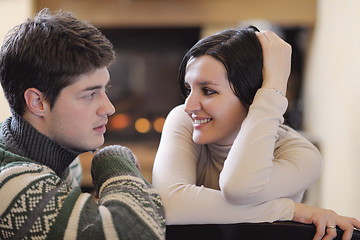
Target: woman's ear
[(35, 101)]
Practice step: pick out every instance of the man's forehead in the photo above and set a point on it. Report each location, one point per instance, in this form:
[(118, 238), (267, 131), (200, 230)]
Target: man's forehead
[(94, 79)]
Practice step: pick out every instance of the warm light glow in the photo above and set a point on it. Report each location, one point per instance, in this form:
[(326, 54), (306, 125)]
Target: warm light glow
[(142, 125), (158, 124), (119, 121)]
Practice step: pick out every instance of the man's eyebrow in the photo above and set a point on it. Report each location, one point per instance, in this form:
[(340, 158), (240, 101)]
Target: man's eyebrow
[(92, 88), (97, 87)]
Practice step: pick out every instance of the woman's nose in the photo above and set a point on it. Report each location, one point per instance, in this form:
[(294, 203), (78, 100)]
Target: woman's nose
[(192, 104)]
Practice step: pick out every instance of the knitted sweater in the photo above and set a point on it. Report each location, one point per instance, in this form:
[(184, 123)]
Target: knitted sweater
[(40, 199)]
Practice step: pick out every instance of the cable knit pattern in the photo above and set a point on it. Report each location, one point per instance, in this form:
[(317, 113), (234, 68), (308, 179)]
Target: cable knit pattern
[(40, 201)]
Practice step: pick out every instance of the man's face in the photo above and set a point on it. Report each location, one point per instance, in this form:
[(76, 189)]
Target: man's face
[(78, 118)]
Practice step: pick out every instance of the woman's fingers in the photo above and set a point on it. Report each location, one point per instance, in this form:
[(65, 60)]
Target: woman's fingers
[(262, 37), (276, 60), (348, 232), (268, 36), (330, 231), (325, 221), (347, 224), (320, 232)]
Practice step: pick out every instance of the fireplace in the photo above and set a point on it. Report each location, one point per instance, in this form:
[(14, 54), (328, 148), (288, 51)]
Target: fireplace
[(144, 86)]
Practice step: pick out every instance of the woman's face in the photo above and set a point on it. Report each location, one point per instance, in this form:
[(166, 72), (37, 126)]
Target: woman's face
[(216, 112)]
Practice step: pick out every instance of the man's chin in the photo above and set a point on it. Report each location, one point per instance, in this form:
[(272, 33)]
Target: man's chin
[(96, 147), (91, 147)]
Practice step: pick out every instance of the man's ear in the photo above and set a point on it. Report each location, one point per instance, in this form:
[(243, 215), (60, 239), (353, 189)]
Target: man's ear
[(36, 102)]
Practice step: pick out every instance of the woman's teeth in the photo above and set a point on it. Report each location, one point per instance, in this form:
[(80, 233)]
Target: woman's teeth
[(202, 121)]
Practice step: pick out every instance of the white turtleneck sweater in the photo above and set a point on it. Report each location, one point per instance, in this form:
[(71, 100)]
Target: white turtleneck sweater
[(256, 179)]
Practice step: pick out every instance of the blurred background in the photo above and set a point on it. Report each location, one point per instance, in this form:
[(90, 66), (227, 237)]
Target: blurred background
[(150, 38)]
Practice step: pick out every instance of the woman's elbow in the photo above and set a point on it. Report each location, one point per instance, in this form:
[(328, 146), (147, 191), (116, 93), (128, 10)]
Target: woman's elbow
[(238, 194), (316, 165)]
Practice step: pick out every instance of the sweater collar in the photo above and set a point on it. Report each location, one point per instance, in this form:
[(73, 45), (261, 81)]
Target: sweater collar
[(21, 138), (219, 152)]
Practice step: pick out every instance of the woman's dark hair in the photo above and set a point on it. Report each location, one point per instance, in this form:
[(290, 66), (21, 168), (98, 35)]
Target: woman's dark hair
[(239, 50), (48, 53)]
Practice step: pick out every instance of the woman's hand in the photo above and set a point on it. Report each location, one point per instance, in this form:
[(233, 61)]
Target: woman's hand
[(276, 61), (323, 219)]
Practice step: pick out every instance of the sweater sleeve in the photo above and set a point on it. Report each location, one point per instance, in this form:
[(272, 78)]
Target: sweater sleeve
[(174, 177), (37, 204), (252, 173), (73, 174)]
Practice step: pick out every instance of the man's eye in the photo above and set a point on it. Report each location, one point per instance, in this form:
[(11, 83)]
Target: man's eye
[(91, 95), (108, 86)]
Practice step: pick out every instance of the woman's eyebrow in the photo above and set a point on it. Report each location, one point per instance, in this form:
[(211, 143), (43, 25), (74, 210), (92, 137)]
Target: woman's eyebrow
[(203, 83)]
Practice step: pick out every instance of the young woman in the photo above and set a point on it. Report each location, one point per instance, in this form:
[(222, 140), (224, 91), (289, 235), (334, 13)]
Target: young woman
[(225, 155)]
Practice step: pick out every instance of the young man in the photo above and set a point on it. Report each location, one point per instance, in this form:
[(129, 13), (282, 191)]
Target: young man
[(53, 70)]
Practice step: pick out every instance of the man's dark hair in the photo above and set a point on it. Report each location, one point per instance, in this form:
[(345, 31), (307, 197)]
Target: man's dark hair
[(47, 53)]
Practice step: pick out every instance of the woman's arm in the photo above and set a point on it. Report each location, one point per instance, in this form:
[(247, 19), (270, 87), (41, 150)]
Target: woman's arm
[(174, 177), (251, 173)]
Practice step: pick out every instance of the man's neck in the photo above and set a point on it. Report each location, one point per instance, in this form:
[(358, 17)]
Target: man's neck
[(22, 138)]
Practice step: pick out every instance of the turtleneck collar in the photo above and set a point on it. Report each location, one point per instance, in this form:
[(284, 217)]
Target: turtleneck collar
[(21, 138), (219, 152)]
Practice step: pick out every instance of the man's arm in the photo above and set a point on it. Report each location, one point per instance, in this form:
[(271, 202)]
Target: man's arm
[(36, 203)]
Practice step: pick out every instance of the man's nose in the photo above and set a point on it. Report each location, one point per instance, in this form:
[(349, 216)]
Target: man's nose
[(107, 108)]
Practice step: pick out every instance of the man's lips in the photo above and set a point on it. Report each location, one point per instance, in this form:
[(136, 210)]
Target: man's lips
[(101, 128)]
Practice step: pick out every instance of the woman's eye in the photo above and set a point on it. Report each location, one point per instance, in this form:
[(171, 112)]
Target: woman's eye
[(208, 91), (187, 89)]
